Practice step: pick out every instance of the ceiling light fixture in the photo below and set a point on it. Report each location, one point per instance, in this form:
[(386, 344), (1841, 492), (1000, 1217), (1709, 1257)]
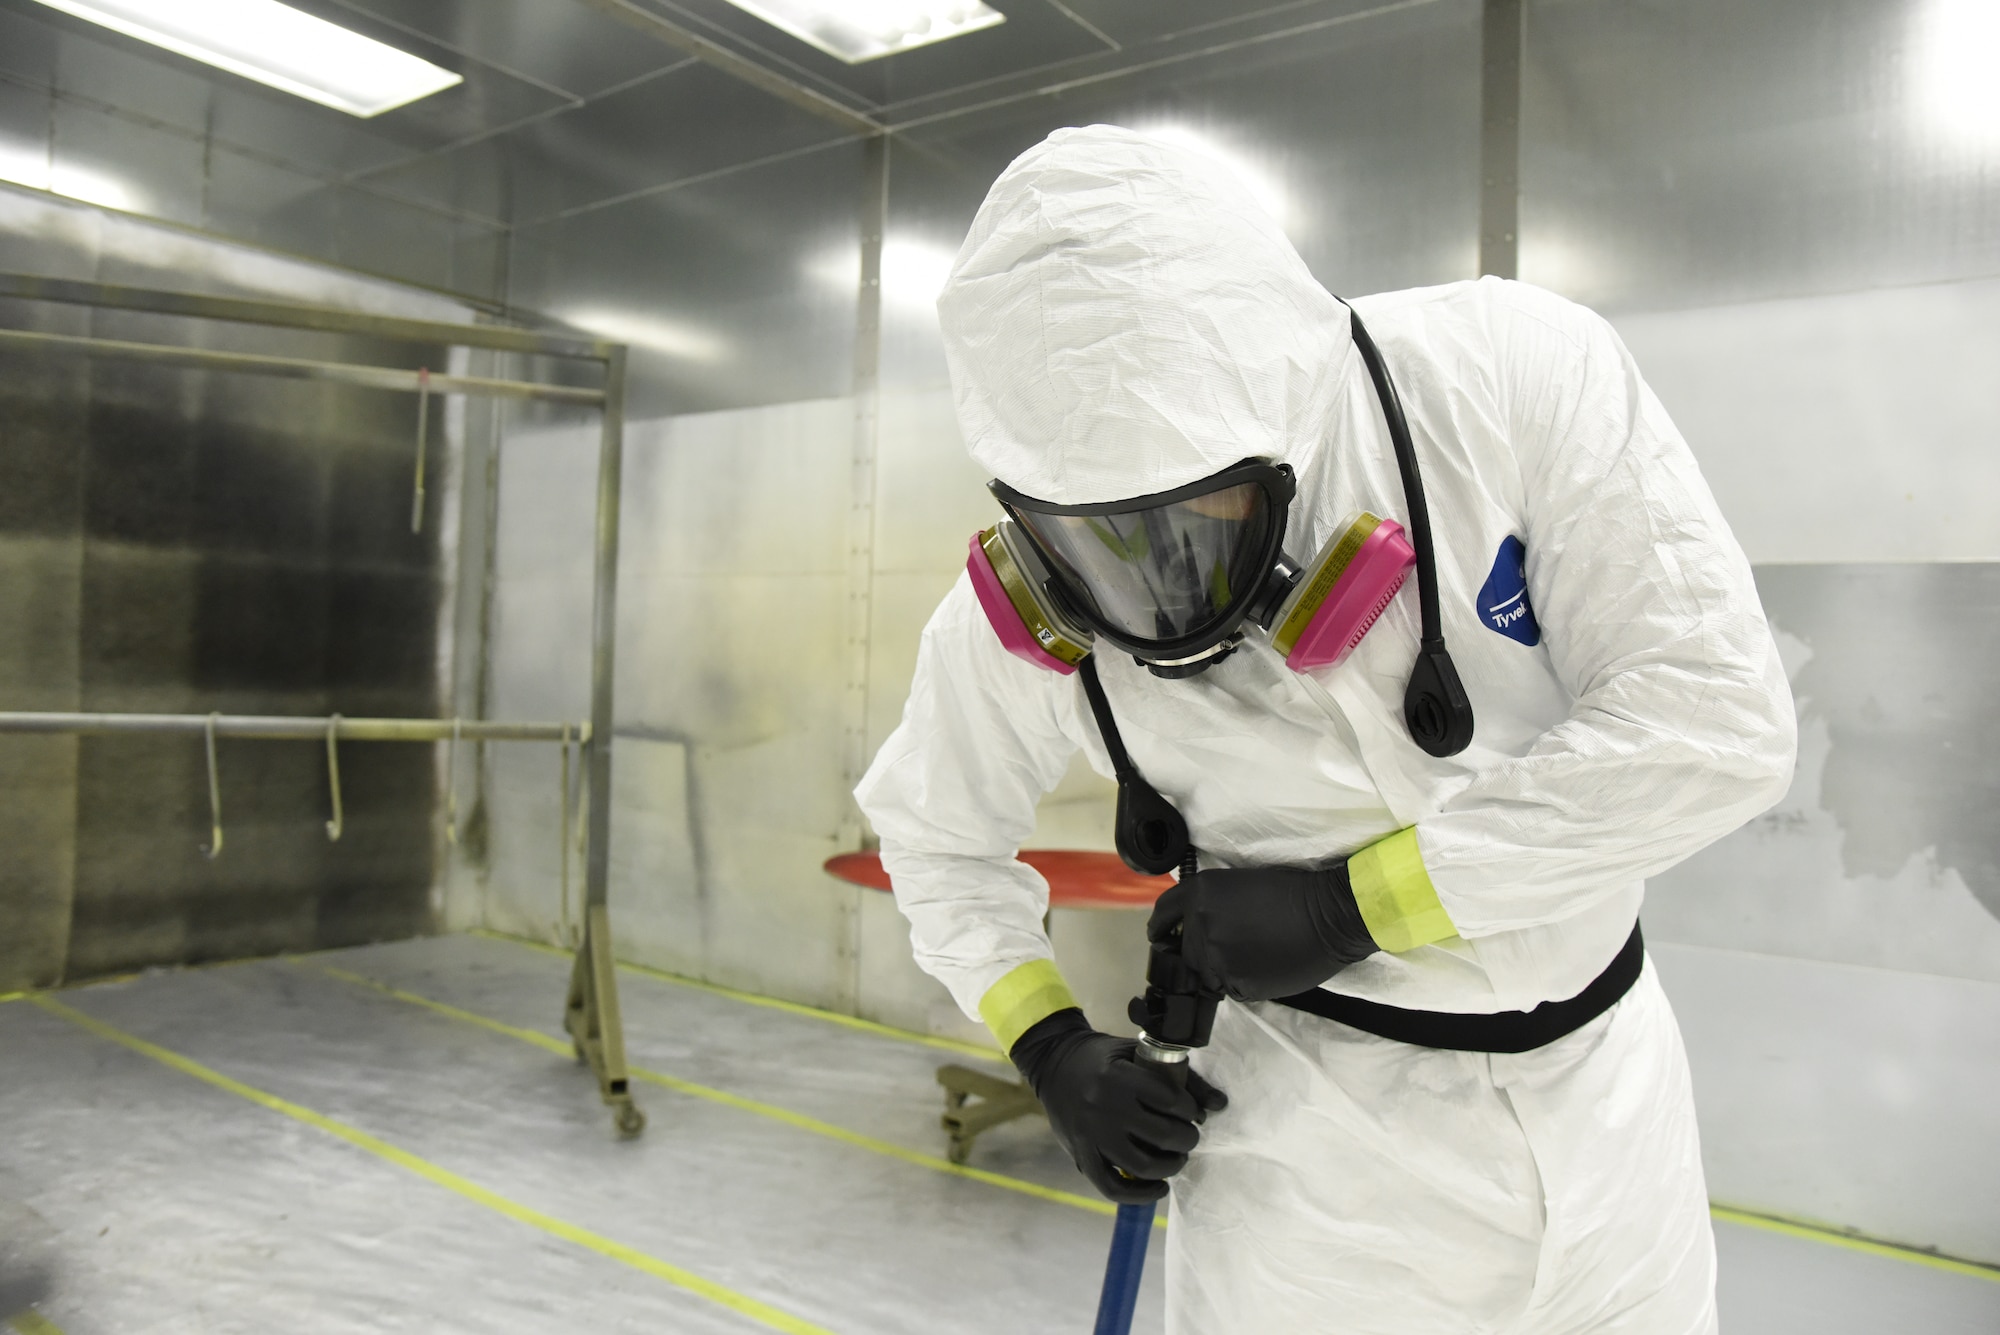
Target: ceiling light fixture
[(858, 30), (277, 45)]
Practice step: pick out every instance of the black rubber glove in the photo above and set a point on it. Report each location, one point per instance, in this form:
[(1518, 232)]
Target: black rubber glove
[(1111, 1111), (1260, 932)]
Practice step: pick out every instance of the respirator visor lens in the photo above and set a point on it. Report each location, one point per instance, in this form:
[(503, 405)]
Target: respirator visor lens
[(1165, 572)]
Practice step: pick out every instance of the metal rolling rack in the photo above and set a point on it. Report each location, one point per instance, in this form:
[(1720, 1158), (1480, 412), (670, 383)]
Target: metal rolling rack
[(591, 1010)]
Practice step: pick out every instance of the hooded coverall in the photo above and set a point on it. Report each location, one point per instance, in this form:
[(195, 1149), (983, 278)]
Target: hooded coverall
[(1123, 320)]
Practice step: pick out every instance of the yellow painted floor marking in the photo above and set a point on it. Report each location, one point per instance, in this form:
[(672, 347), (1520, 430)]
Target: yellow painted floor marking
[(763, 1313), (1833, 1236), (772, 1003), (11, 996), (31, 1323), (800, 1121), (1772, 1223)]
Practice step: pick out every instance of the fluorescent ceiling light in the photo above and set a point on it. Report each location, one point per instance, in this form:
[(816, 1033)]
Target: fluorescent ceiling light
[(31, 167), (276, 45), (858, 30)]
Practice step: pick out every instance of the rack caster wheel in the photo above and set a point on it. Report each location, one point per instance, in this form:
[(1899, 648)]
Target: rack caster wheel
[(629, 1119)]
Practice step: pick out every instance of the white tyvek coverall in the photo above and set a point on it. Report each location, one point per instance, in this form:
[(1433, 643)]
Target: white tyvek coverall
[(1122, 321)]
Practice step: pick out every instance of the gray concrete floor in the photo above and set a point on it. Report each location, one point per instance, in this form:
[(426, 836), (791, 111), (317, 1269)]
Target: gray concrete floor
[(468, 1180)]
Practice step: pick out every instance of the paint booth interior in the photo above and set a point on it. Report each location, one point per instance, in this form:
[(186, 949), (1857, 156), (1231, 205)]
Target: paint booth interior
[(460, 547)]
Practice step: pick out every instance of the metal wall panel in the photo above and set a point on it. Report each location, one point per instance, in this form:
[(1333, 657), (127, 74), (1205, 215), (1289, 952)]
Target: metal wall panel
[(1855, 427), (733, 292), (1690, 152), (1847, 1095), (731, 587)]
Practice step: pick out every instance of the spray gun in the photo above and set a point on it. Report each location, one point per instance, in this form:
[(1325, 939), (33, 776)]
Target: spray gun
[(1176, 1013)]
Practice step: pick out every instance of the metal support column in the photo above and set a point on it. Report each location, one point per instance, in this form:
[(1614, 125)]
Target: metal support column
[(1502, 32), (863, 449), (591, 1014)]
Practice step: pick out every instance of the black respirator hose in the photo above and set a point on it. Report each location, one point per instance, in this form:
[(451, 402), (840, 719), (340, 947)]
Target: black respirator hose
[(1436, 709), (1413, 481), (1152, 837)]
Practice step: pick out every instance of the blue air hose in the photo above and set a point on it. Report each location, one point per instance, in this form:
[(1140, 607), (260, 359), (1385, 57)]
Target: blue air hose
[(1129, 1236), (1166, 979)]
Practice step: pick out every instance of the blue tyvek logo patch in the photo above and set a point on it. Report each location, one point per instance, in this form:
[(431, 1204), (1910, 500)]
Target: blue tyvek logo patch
[(1503, 599)]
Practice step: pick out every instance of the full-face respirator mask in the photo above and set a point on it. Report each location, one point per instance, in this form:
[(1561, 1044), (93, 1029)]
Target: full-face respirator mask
[(1173, 578)]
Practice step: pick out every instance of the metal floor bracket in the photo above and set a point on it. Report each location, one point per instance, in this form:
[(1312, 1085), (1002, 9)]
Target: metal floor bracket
[(998, 1100), (595, 1029)]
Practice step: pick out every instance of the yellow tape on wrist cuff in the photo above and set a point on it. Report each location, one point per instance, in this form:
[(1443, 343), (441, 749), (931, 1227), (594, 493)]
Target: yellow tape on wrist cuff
[(1028, 994), (1395, 895)]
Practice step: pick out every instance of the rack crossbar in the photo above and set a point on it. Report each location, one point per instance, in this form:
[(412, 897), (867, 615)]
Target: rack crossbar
[(200, 306), (288, 727), (296, 368)]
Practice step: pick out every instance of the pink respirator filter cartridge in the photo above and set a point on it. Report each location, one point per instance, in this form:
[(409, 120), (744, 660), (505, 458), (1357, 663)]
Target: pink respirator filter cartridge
[(1027, 629), (1343, 594)]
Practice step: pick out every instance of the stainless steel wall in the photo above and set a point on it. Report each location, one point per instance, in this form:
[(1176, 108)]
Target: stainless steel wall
[(1693, 152), (184, 541)]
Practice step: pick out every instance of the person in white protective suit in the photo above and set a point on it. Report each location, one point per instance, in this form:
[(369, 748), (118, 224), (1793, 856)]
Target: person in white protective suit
[(1124, 328)]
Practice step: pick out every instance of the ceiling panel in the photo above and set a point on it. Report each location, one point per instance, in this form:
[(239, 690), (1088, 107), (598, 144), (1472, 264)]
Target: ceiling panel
[(1244, 25), (100, 68), (27, 48), (490, 95), (692, 121), (742, 277), (1129, 21), (561, 43)]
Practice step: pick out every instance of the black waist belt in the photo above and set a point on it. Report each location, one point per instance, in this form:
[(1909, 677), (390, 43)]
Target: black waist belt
[(1504, 1031)]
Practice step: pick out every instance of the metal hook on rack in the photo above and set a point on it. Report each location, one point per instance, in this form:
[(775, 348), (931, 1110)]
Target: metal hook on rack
[(213, 849), (423, 438), (334, 826), (451, 784)]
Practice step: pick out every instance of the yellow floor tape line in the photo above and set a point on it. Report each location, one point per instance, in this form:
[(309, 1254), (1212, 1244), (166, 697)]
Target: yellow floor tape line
[(32, 1323), (801, 1121), (1772, 1223), (770, 1003), (763, 1313), (1820, 1233)]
